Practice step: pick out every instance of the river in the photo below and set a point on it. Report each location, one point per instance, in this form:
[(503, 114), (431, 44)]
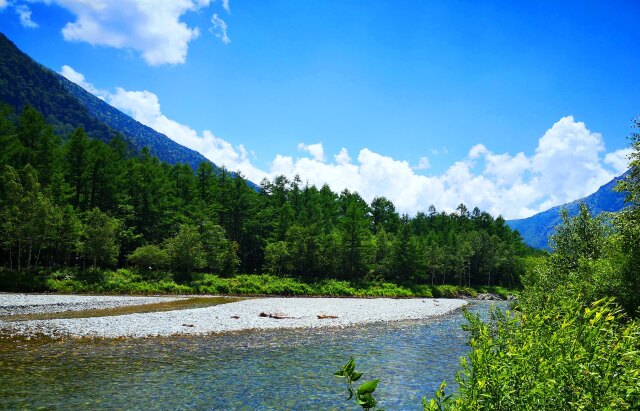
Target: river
[(266, 370)]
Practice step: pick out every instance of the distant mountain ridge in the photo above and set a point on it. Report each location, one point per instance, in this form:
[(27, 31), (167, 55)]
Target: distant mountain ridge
[(67, 106), (535, 230)]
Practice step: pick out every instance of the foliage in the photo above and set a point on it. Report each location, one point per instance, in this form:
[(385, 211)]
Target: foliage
[(573, 342), (185, 250), (147, 257), (364, 393), (78, 202), (565, 357), (100, 242)]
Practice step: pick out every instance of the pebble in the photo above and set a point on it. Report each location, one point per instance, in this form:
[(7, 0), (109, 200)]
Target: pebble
[(236, 316)]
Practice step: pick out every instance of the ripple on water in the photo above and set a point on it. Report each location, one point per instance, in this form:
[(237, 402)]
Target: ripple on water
[(267, 370)]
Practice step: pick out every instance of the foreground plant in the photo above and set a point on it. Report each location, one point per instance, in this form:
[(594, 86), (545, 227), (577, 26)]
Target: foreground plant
[(566, 356), (364, 393)]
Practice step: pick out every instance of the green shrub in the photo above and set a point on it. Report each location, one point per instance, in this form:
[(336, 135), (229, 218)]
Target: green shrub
[(422, 291), (148, 257), (336, 288), (565, 356), (445, 291), (212, 284), (66, 285), (385, 290)]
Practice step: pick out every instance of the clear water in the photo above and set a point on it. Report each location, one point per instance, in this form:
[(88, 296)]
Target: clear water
[(273, 370)]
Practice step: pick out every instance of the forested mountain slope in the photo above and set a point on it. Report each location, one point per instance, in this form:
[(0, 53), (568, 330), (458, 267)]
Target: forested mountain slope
[(67, 106), (535, 230)]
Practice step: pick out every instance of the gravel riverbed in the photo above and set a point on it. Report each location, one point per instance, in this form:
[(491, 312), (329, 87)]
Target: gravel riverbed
[(18, 304), (258, 313)]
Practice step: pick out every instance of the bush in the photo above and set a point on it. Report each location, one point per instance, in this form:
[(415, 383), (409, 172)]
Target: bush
[(336, 288), (423, 291), (212, 284), (445, 291), (385, 290), (563, 357), (148, 257), (66, 285)]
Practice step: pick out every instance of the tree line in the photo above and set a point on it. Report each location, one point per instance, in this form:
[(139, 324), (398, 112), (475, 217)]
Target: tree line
[(72, 201)]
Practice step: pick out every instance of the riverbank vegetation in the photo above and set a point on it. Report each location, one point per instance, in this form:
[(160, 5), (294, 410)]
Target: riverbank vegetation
[(125, 281), (572, 341), (80, 215)]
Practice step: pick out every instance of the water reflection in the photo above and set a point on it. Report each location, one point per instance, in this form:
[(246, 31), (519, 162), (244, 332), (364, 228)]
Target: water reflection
[(267, 370)]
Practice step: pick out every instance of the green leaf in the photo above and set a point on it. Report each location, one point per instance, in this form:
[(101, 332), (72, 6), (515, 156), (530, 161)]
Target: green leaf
[(349, 367), (339, 373), (368, 387), (366, 401), (355, 376)]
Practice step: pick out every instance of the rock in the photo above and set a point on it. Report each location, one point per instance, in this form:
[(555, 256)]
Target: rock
[(277, 316), (488, 297)]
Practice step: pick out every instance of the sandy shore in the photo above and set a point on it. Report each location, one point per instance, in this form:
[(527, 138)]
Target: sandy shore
[(259, 313)]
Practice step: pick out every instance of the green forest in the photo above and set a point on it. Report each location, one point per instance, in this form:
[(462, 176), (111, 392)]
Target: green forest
[(78, 214)]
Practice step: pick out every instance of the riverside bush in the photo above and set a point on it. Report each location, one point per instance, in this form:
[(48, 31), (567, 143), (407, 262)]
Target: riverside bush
[(566, 356), (212, 284), (142, 281), (452, 291), (385, 290), (336, 288), (66, 285), (423, 291)]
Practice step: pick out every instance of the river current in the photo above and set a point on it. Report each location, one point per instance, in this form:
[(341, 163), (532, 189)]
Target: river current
[(265, 370)]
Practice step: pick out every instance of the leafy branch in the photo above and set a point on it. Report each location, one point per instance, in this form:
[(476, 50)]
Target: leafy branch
[(364, 393)]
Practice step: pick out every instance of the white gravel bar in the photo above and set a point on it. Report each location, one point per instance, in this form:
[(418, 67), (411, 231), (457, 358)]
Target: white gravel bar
[(17, 304), (250, 314)]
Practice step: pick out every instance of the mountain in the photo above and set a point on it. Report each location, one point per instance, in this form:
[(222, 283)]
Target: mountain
[(68, 106), (535, 230)]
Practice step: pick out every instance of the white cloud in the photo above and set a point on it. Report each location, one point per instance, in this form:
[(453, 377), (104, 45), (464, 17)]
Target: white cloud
[(619, 160), (316, 150), (219, 29), (24, 13), (423, 163), (567, 162), (154, 28), (79, 79), (3, 4), (566, 165), (145, 108), (225, 5), (342, 158)]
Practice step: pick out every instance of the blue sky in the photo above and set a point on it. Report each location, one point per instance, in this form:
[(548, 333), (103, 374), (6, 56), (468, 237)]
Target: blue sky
[(510, 106)]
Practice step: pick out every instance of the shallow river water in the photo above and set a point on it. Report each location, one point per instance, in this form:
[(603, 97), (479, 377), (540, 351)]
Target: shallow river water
[(265, 370)]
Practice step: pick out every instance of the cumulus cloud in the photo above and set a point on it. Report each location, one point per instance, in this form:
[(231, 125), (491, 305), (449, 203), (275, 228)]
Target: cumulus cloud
[(24, 13), (3, 4), (219, 28), (153, 28), (144, 106), (619, 160), (316, 150), (79, 79), (568, 163)]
